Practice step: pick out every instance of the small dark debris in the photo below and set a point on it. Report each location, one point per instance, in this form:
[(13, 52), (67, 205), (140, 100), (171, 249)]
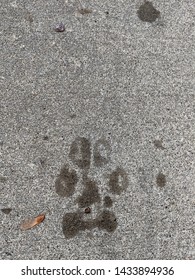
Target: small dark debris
[(42, 162), (45, 137), (60, 27), (161, 180), (107, 220), (87, 210), (84, 11), (8, 254), (107, 13), (6, 210)]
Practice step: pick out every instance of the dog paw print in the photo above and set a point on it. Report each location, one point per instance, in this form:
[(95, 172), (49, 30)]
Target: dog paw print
[(83, 158)]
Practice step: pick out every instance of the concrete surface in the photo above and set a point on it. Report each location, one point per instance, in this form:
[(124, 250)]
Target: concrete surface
[(97, 129)]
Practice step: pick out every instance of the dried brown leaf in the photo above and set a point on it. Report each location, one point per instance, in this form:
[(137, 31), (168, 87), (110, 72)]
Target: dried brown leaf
[(33, 222)]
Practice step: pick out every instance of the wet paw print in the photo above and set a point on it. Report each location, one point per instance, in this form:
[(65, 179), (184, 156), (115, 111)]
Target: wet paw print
[(82, 157)]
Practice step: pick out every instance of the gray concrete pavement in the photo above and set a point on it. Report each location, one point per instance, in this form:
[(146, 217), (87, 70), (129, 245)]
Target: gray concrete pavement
[(97, 129)]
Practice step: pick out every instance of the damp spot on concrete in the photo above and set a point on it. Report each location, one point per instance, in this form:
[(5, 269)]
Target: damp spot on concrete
[(118, 181), (158, 144), (90, 194), (161, 180), (28, 17), (3, 179), (72, 224), (147, 12), (84, 11), (107, 201), (107, 220), (42, 162), (73, 116), (101, 152), (46, 138), (80, 152), (66, 182), (6, 210)]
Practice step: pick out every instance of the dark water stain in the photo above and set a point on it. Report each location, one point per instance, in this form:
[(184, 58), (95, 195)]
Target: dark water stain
[(84, 11), (161, 180), (3, 179), (66, 182), (147, 12), (80, 152), (108, 201), (158, 144), (73, 116), (118, 181), (28, 17), (107, 220), (6, 210), (90, 194), (45, 137), (73, 223), (101, 152)]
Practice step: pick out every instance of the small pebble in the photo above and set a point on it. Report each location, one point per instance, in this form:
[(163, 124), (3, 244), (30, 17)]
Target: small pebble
[(87, 210), (60, 27)]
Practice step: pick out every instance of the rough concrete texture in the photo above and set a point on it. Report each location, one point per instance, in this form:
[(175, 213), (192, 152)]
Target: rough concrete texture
[(97, 106)]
